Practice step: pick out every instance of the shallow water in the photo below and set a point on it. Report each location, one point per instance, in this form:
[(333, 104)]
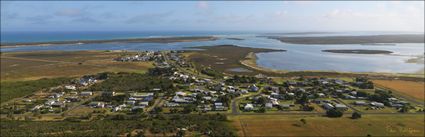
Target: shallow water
[(297, 57)]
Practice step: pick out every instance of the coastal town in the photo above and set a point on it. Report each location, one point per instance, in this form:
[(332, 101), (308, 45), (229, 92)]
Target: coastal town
[(183, 89)]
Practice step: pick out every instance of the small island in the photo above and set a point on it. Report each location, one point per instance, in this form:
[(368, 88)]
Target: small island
[(358, 51), (234, 38)]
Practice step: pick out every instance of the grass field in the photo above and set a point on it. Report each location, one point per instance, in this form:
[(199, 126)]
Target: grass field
[(14, 89), (277, 125), (224, 58), (410, 88), (36, 65)]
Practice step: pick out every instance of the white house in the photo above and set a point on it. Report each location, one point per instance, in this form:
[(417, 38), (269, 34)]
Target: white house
[(377, 104), (360, 103), (269, 105), (86, 93), (341, 107), (249, 107)]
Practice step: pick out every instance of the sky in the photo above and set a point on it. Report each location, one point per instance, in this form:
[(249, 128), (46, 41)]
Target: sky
[(212, 16)]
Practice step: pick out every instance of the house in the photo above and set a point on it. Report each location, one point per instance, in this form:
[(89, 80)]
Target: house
[(86, 93), (178, 99), (321, 95), (205, 107), (117, 108), (341, 107), (248, 107), (57, 95), (131, 102), (137, 108), (70, 87), (97, 104), (377, 104), (37, 107), (110, 94), (275, 102), (143, 103), (72, 99), (49, 102), (360, 103), (253, 88), (141, 95), (392, 99), (349, 96), (180, 93), (58, 104), (171, 104), (269, 105), (219, 106), (285, 106), (328, 106), (207, 98)]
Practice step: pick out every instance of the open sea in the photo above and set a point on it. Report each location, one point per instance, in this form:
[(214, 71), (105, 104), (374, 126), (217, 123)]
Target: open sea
[(298, 57)]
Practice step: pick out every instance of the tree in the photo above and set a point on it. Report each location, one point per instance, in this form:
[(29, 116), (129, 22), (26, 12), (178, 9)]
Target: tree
[(262, 110), (303, 99), (404, 109), (188, 108), (180, 133), (157, 110), (356, 115), (334, 113)]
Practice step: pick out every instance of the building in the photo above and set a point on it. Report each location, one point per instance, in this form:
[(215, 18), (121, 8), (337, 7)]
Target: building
[(328, 106), (253, 88), (360, 103), (269, 105), (377, 104), (248, 107), (86, 93), (97, 104), (285, 106), (70, 87), (341, 107)]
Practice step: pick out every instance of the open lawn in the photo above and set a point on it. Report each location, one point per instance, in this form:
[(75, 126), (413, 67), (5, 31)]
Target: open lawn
[(410, 88), (278, 125), (48, 64)]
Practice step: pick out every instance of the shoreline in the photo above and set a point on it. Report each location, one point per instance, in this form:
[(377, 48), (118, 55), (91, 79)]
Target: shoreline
[(357, 51), (131, 40), (250, 62), (364, 40)]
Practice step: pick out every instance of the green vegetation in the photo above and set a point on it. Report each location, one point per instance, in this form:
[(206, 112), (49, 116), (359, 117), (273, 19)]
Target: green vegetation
[(356, 115), (14, 89), (131, 82), (334, 113), (211, 72), (212, 125), (66, 128)]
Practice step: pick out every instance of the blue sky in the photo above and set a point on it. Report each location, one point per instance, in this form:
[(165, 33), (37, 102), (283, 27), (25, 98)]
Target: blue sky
[(212, 15)]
